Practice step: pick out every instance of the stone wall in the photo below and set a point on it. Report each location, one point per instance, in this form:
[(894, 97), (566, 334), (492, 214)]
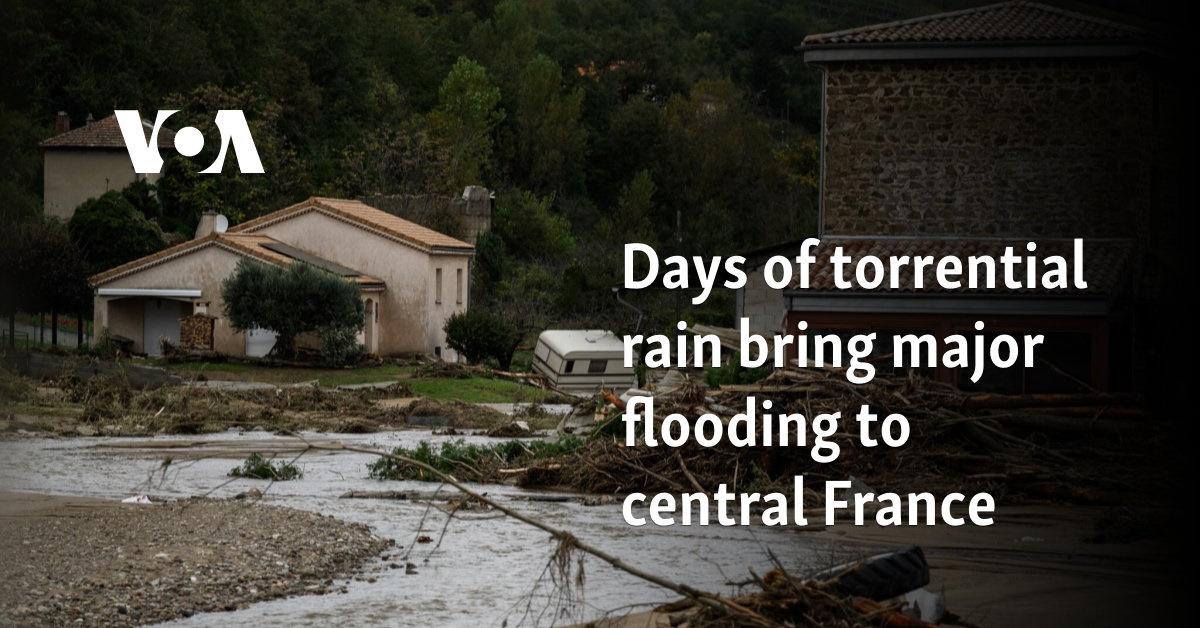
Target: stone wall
[(462, 217), (1006, 147)]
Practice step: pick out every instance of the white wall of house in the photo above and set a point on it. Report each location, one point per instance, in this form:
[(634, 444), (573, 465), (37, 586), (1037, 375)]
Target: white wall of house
[(410, 315), (74, 176), (202, 269), (763, 305)]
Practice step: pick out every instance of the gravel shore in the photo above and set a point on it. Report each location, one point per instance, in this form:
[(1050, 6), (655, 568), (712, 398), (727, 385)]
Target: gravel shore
[(86, 562)]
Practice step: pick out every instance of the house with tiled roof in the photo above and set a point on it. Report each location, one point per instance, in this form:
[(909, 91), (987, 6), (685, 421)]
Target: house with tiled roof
[(411, 279), (959, 134), (90, 160)]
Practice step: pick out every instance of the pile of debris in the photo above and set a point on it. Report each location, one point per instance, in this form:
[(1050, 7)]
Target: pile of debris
[(1083, 448), (886, 589)]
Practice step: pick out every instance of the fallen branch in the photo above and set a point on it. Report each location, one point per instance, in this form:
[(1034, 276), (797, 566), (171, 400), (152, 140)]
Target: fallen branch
[(691, 478)]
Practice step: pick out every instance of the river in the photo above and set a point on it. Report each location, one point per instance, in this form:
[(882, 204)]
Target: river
[(485, 569)]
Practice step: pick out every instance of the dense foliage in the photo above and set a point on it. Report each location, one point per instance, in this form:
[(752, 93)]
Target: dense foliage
[(294, 300), (687, 124), (111, 231), (259, 468), (468, 461), (479, 335), (41, 270)]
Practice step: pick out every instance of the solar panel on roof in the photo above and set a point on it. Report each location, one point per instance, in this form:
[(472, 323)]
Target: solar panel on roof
[(309, 258)]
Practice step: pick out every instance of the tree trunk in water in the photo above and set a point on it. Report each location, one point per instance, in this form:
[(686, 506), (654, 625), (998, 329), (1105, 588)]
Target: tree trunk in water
[(78, 329), (12, 330), (53, 327)]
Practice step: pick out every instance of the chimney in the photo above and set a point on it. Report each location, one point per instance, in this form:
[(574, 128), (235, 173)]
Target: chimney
[(62, 123), (208, 224), (90, 119)]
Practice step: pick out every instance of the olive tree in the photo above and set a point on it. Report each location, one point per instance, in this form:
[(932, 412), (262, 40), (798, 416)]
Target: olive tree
[(290, 301)]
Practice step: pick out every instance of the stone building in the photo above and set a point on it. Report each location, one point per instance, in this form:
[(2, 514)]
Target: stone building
[(1015, 119), (969, 131)]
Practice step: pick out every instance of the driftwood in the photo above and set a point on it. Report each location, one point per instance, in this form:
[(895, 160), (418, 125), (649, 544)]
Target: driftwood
[(398, 495), (1014, 437)]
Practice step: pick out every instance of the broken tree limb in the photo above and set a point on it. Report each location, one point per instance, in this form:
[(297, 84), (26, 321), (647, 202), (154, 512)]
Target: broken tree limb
[(691, 478), (376, 495), (708, 599), (658, 476)]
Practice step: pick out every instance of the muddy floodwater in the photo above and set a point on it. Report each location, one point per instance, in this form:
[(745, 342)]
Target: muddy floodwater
[(481, 568)]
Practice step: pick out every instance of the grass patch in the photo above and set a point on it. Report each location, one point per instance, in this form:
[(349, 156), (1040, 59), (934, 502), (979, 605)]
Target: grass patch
[(469, 462), (328, 378), (43, 410), (259, 468), (14, 388), (479, 390), (442, 383)]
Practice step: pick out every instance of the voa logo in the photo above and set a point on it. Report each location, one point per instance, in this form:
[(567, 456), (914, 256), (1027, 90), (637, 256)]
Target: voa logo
[(189, 141)]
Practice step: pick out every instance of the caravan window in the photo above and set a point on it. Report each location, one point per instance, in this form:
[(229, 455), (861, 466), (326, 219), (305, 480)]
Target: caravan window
[(597, 366), (570, 367)]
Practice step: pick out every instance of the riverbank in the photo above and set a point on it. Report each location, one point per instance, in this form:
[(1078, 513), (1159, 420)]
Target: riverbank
[(104, 563)]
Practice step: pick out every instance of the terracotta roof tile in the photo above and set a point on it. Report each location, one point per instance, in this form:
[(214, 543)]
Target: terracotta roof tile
[(148, 260), (1106, 264), (364, 215), (246, 244), (106, 133), (995, 23)]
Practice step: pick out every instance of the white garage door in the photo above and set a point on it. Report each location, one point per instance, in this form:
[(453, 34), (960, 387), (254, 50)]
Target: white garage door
[(259, 342), (160, 319)]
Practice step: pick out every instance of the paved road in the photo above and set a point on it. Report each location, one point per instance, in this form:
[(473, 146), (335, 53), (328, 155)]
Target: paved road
[(65, 338)]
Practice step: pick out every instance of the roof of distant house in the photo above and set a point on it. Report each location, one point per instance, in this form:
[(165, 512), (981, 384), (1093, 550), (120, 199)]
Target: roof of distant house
[(367, 217), (106, 133), (1003, 24)]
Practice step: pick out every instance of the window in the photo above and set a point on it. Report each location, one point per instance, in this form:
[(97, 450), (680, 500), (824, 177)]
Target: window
[(437, 282), (570, 367), (460, 287), (597, 366)]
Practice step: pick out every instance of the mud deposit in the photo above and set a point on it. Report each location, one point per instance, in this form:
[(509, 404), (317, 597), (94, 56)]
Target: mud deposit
[(132, 564)]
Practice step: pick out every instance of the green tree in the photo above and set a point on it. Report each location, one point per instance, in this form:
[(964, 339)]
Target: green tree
[(41, 269), (466, 115), (549, 142), (291, 301), (186, 194), (531, 229), (20, 168), (111, 231), (398, 159), (480, 334), (631, 221), (724, 187)]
